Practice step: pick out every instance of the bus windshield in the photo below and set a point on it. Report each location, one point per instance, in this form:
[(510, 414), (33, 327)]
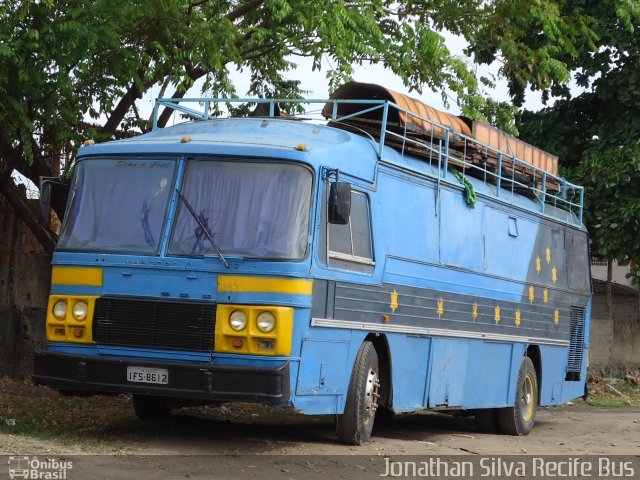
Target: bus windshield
[(118, 205), (251, 209)]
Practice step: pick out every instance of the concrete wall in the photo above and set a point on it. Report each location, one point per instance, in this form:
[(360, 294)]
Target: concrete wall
[(615, 344), (24, 291), (599, 271)]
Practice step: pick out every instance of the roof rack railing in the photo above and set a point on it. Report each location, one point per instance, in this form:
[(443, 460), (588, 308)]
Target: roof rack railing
[(504, 171)]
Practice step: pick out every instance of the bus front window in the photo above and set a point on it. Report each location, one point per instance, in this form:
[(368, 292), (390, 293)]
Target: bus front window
[(118, 205), (251, 209)]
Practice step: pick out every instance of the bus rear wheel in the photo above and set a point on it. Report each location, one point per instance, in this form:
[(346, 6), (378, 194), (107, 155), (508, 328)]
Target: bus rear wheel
[(151, 408), (356, 423), (519, 419)]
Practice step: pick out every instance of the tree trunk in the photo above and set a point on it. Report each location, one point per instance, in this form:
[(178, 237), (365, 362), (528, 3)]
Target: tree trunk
[(609, 289), (41, 230)]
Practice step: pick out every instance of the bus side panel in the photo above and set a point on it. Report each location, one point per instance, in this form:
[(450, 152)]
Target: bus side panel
[(448, 372), (552, 375), (555, 390), (490, 373), (573, 390), (322, 371), (322, 379), (409, 356), (473, 373)]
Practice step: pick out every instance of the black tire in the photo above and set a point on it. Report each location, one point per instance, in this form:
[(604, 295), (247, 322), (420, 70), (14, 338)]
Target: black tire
[(519, 419), (355, 424), (487, 420), (151, 408)]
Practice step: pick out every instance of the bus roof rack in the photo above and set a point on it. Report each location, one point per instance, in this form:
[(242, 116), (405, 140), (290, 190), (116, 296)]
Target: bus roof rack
[(409, 126)]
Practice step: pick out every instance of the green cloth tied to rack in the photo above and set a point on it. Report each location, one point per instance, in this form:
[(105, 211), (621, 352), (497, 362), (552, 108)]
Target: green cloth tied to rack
[(469, 192)]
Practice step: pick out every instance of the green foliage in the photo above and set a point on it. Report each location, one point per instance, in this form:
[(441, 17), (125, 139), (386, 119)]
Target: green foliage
[(63, 60), (536, 41), (597, 136)]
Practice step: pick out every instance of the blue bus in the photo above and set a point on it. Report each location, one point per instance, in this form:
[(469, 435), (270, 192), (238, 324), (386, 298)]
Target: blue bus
[(379, 256)]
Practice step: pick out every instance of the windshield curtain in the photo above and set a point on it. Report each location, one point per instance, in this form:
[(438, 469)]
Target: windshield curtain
[(258, 210), (118, 205)]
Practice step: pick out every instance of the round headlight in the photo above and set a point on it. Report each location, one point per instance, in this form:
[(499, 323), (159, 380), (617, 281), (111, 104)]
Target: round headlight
[(266, 322), (60, 309), (80, 310), (238, 320)]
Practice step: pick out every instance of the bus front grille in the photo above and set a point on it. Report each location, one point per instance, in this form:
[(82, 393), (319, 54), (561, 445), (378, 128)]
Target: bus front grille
[(154, 324)]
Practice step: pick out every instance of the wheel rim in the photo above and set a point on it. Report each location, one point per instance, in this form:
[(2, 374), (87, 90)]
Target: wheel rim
[(372, 394), (527, 398)]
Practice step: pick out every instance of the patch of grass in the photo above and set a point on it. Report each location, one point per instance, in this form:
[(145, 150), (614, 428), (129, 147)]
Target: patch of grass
[(614, 393), (82, 424)]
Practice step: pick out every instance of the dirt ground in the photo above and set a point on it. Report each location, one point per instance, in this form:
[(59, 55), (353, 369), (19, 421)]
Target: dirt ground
[(262, 443)]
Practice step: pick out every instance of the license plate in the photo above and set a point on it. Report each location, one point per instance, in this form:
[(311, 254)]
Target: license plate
[(148, 375)]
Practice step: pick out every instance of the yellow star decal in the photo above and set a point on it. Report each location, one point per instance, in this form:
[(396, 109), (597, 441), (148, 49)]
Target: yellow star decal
[(548, 251), (496, 316), (556, 317), (518, 318), (475, 312), (440, 307), (554, 274), (394, 301), (545, 295), (532, 294), (538, 265)]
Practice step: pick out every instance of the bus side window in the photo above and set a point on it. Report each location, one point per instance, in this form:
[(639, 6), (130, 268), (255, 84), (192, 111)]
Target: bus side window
[(577, 258), (350, 246)]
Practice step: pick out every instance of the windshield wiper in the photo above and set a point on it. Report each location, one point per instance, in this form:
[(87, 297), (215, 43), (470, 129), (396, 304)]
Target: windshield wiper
[(204, 228), (146, 228)]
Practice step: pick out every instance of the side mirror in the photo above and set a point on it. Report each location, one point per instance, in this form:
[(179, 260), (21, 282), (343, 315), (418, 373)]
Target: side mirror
[(339, 203), (52, 189)]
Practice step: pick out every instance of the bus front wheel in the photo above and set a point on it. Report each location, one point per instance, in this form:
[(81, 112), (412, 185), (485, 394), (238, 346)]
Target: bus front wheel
[(355, 424), (519, 419)]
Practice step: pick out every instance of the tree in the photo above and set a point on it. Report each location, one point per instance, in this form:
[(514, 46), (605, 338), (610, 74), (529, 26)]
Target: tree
[(61, 60), (596, 133)]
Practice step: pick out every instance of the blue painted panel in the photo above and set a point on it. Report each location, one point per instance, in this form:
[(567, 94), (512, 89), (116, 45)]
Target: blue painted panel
[(506, 255), (425, 275), (405, 203), (322, 369), (280, 299), (301, 321), (319, 404), (184, 285), (554, 365), (572, 390), (409, 357), (140, 263), (216, 359), (330, 334), (448, 372), (151, 353), (458, 225), (489, 374), (73, 349), (257, 138), (328, 404)]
